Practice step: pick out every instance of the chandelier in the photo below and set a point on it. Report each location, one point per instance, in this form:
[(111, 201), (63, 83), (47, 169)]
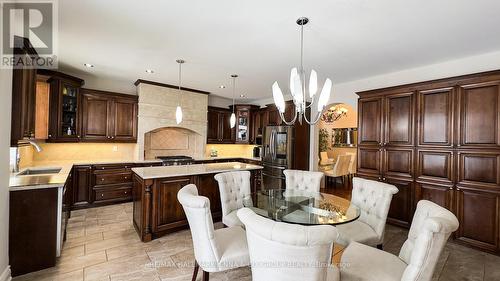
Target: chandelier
[(178, 109), (333, 114), (298, 89)]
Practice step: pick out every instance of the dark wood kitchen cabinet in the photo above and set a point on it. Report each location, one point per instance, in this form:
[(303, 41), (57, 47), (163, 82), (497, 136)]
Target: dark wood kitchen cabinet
[(439, 141), (245, 123), (108, 117), (111, 183), (23, 94), (82, 191), (218, 126), (64, 107)]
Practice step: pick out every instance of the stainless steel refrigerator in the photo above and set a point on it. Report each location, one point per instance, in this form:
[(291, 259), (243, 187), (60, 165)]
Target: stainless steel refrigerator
[(277, 155)]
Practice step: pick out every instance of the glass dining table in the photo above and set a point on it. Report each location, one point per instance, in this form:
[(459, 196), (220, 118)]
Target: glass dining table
[(299, 207)]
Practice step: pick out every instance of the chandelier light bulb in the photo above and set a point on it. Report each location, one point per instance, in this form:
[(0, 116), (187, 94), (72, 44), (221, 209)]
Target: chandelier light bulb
[(313, 84), (178, 115), (279, 100), (232, 120)]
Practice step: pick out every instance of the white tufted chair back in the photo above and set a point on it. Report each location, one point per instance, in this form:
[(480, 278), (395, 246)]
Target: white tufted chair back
[(233, 188), (287, 252), (303, 180), (374, 199), (430, 229), (197, 210)]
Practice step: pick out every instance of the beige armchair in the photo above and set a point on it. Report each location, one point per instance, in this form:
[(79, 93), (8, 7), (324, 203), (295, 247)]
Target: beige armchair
[(340, 169), (214, 250), (430, 229), (288, 252)]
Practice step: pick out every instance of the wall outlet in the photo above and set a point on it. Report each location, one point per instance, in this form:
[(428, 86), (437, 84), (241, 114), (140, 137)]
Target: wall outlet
[(115, 148)]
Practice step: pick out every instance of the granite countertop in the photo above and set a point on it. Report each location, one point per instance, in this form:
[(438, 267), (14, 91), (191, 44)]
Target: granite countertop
[(26, 182), (227, 157), (196, 169)]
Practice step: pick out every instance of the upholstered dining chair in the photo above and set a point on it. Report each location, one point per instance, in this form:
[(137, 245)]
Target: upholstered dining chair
[(287, 252), (233, 188), (352, 163), (429, 231), (303, 180), (373, 198), (214, 250), (340, 169), (325, 162)]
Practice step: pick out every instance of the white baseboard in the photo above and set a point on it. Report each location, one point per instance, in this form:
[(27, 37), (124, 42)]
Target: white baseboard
[(5, 276)]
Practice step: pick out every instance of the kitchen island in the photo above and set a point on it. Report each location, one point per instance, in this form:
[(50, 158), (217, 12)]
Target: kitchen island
[(156, 209)]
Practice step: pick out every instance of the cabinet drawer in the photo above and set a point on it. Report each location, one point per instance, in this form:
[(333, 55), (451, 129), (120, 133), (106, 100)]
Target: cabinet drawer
[(112, 178), (113, 194), (113, 167)]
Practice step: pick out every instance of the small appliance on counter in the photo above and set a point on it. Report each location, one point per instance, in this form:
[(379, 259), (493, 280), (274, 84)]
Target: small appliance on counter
[(213, 152), (257, 151)]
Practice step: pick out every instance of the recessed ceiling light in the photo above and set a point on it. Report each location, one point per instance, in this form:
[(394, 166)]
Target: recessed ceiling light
[(222, 86), (88, 65), (149, 71)]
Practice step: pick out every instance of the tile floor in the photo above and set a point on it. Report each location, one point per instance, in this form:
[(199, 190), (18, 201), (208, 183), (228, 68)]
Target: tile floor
[(102, 245)]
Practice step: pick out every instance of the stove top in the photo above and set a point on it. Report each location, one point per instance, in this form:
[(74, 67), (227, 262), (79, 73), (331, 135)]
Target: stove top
[(175, 160)]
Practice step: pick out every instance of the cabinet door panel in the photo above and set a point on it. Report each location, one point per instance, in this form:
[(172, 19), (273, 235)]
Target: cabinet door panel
[(212, 126), (125, 120), (167, 211), (370, 121), (227, 134), (478, 215), (435, 165), (398, 162), (480, 114), (211, 191), (436, 117), (439, 194), (82, 193), (401, 210), (95, 117), (369, 160), (399, 119), (480, 168)]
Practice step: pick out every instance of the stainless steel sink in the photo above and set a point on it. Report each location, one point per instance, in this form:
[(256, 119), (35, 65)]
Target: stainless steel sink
[(29, 172)]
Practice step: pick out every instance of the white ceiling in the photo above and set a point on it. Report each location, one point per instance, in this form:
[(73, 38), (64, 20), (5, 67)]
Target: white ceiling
[(259, 40)]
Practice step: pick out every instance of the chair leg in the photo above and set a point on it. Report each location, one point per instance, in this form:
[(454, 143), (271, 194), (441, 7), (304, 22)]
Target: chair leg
[(195, 272), (380, 246), (205, 276)]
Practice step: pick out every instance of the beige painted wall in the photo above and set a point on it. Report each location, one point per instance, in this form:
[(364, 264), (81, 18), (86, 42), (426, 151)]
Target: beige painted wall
[(5, 110)]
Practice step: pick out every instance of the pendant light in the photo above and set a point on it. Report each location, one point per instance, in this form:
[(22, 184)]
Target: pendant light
[(232, 120), (178, 110), (298, 89)]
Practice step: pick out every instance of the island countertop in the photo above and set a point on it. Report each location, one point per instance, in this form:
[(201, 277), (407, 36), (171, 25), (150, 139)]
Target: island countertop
[(195, 169)]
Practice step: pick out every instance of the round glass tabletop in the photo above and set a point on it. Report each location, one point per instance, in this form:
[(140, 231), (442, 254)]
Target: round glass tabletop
[(302, 207)]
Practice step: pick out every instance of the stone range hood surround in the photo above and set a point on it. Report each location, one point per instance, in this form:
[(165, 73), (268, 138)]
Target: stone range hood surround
[(157, 111), (172, 141)]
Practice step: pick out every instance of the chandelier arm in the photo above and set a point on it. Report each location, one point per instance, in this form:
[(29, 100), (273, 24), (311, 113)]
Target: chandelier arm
[(312, 122), (289, 122)]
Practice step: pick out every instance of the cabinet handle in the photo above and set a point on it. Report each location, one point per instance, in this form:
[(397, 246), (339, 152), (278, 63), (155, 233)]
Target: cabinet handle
[(102, 179), (50, 136), (102, 195), (126, 177), (125, 192)]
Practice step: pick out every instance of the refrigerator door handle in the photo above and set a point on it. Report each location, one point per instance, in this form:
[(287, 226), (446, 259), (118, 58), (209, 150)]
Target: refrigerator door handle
[(272, 145)]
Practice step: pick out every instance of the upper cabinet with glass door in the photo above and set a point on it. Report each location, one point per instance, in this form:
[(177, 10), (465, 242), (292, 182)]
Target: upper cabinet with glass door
[(64, 112), (244, 123)]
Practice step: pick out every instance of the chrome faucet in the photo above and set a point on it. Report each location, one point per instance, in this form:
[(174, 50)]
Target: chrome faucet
[(33, 143)]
